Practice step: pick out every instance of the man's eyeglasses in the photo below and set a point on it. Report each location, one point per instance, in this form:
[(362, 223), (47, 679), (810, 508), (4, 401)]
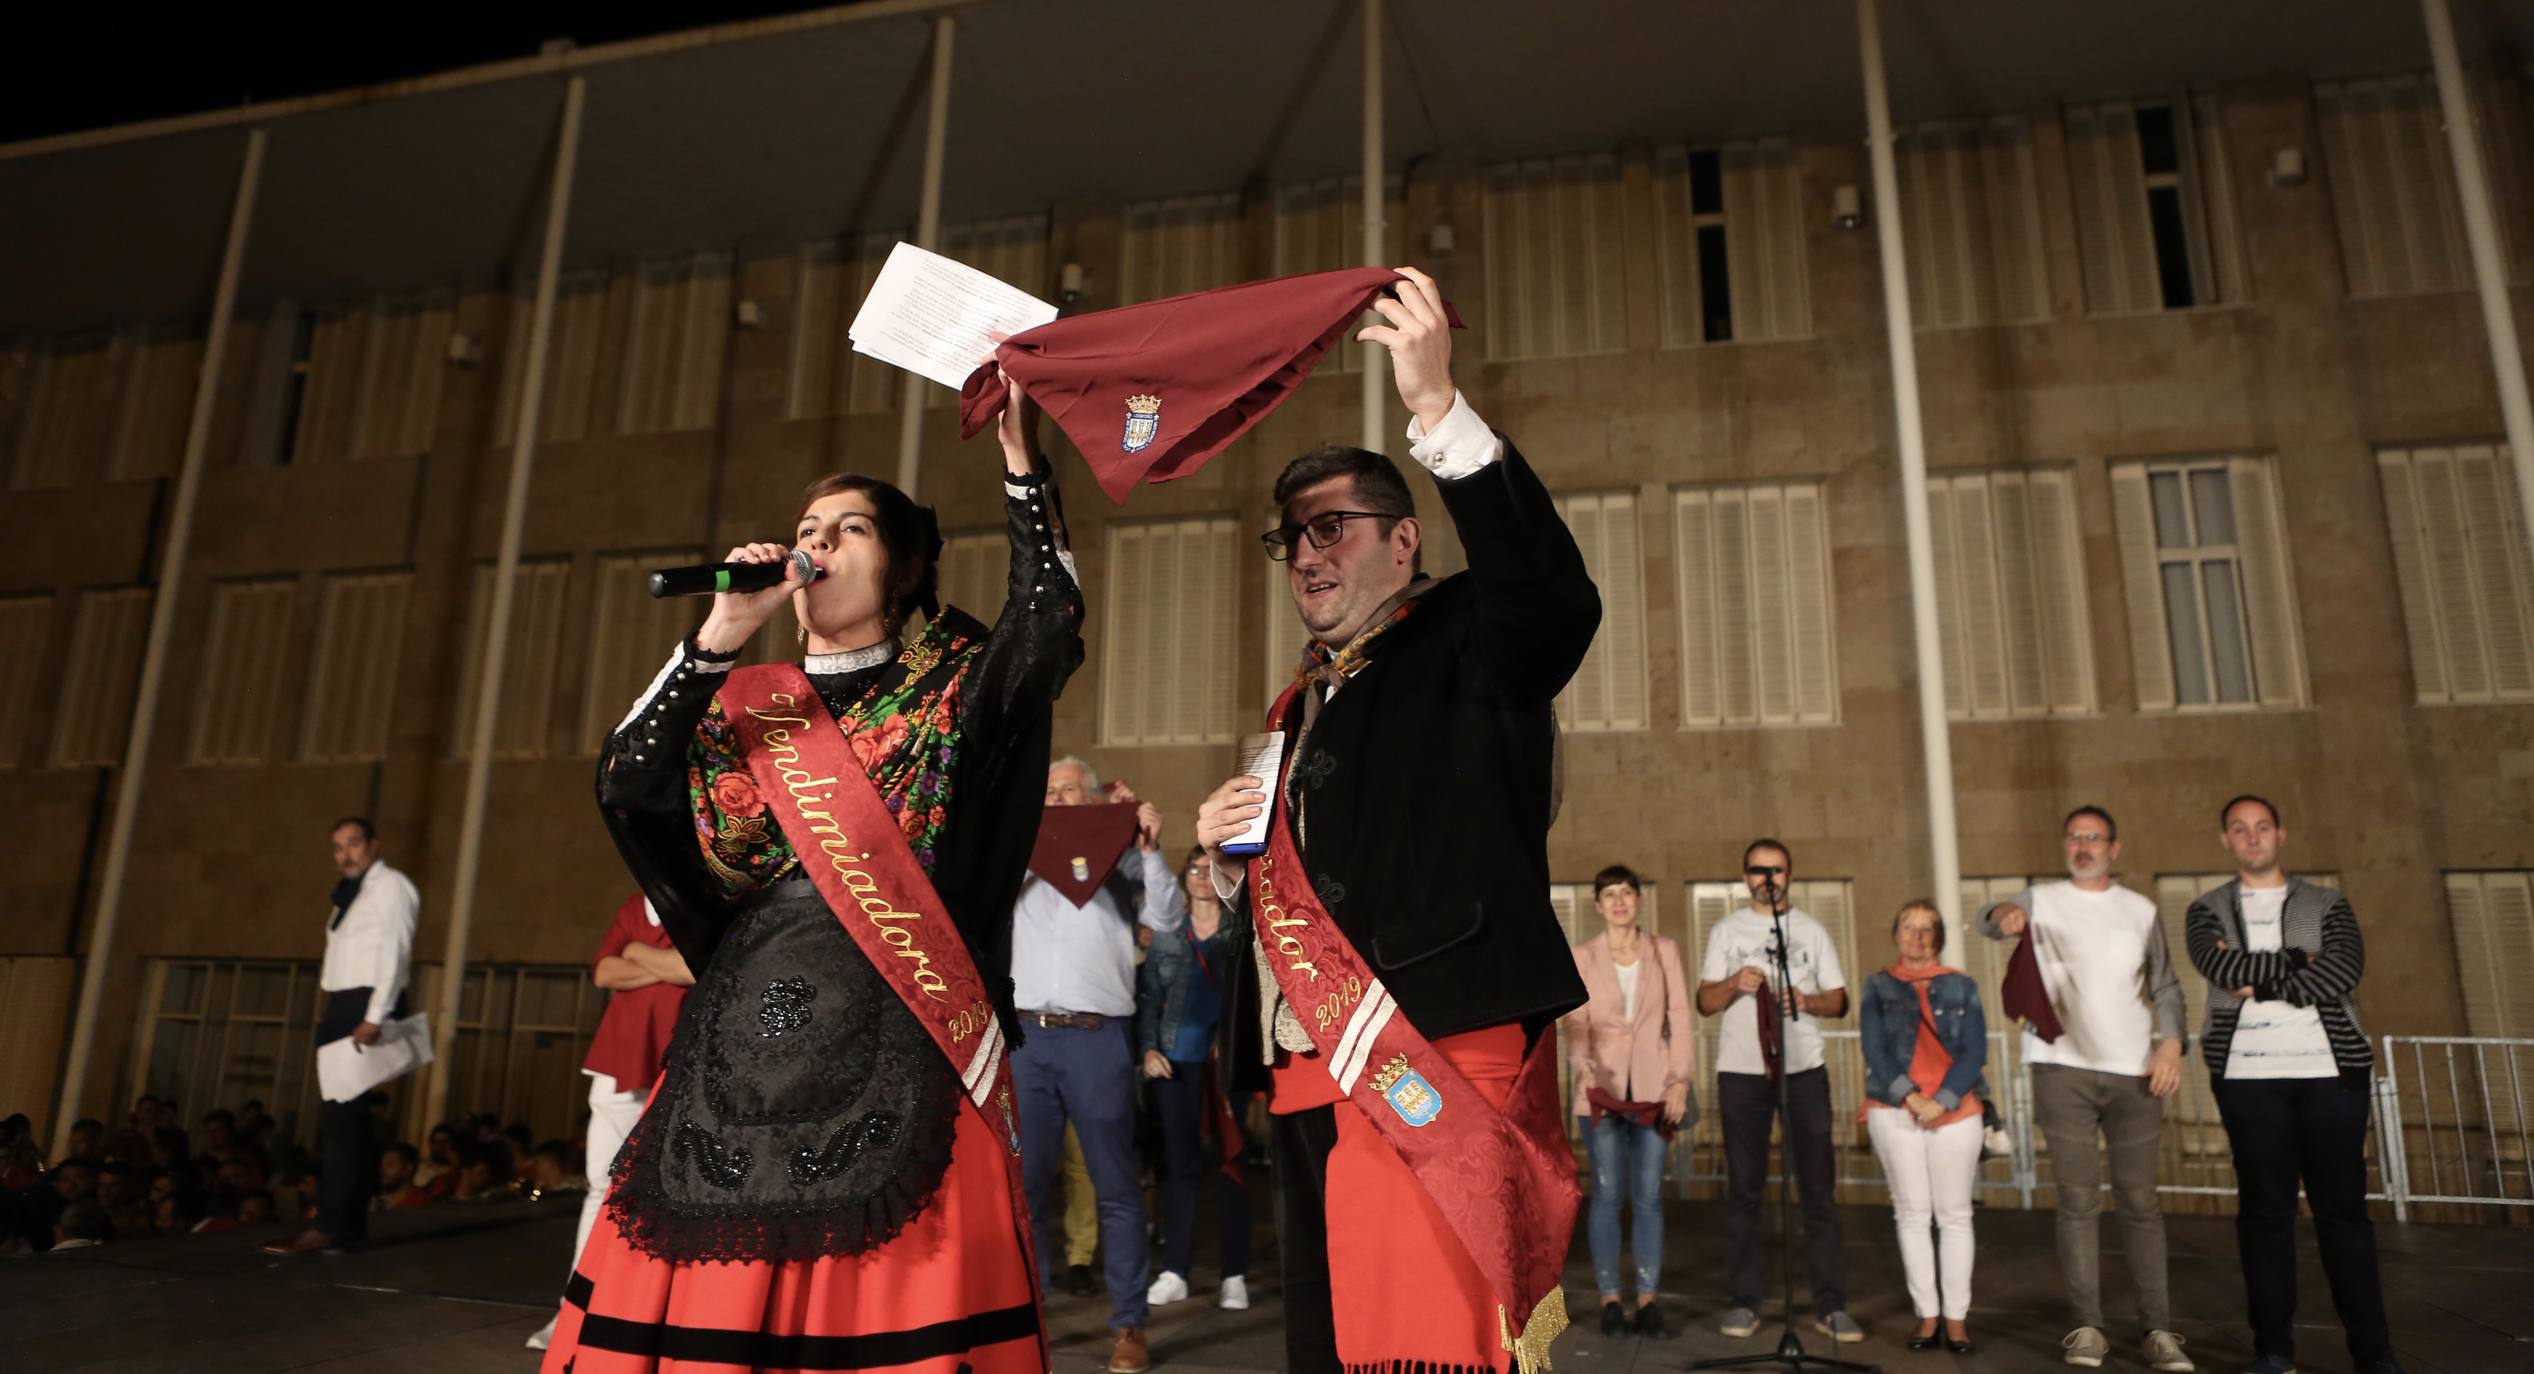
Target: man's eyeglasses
[(1324, 530), (2089, 837), (1756, 871)]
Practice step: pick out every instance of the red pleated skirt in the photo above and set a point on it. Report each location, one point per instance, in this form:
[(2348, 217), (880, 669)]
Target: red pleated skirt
[(954, 1289)]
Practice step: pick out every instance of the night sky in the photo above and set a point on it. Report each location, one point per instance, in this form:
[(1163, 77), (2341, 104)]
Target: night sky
[(86, 67)]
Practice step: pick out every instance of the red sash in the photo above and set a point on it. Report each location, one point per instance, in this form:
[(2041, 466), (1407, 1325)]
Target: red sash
[(850, 847), (1505, 1186)]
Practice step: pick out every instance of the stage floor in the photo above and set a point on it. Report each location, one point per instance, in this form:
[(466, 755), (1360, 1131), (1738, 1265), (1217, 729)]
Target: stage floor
[(457, 1290)]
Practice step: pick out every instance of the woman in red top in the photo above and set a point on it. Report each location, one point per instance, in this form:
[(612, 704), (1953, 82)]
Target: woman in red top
[(1926, 1042)]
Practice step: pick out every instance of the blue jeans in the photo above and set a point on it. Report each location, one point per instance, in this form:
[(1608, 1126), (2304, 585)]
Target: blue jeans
[(1188, 1158), (1626, 1159), (1088, 1077)]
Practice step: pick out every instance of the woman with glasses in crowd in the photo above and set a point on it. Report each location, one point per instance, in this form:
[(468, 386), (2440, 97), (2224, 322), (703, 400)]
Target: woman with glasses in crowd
[(1926, 1044)]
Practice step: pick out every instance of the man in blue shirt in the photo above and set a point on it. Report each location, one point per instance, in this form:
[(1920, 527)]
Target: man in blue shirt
[(1073, 979)]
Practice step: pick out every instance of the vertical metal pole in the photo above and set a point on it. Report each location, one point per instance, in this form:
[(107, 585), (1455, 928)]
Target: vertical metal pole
[(487, 686), (910, 420), (2489, 269), (1376, 206), (1935, 733), (171, 570)]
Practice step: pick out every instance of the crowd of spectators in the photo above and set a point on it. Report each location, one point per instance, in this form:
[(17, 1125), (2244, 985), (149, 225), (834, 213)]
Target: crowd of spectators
[(238, 1168)]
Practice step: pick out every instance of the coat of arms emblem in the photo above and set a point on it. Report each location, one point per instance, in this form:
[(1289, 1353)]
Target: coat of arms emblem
[(1143, 421), (1407, 1092)]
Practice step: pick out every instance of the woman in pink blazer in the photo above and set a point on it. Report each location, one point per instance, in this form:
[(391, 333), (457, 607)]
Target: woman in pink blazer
[(1634, 1058)]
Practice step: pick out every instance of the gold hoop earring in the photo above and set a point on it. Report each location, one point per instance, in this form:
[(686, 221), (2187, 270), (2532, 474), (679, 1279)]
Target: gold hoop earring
[(800, 634)]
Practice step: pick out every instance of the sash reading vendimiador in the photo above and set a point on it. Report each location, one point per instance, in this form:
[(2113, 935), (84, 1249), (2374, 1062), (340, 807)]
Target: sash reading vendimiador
[(850, 847), (1506, 1187)]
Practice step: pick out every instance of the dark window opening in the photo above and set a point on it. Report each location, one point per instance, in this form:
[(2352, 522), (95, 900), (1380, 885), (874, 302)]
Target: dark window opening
[(303, 338), (1715, 284), (1706, 183), (2158, 153), (2173, 245)]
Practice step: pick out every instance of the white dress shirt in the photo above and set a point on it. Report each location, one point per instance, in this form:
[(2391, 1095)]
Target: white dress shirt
[(372, 946), (1082, 958)]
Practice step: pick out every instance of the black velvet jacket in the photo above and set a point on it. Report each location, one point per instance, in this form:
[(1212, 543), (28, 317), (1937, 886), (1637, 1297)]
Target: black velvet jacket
[(1006, 700), (1424, 788)]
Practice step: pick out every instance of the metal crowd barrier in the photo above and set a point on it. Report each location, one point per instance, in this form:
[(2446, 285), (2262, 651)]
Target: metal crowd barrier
[(2452, 1126)]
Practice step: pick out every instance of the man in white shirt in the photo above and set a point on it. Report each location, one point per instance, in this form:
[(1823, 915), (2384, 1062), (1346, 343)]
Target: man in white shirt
[(1073, 979), (2101, 953), (2291, 1068), (369, 952), (1739, 972)]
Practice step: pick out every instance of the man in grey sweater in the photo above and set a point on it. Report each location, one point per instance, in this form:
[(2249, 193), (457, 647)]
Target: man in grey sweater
[(2101, 955)]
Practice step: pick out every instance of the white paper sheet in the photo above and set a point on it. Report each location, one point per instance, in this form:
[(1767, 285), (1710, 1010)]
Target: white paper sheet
[(935, 317), (345, 1070)]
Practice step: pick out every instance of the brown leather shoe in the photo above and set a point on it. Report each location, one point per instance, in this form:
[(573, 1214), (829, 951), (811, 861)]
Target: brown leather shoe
[(307, 1242), (1130, 1355)]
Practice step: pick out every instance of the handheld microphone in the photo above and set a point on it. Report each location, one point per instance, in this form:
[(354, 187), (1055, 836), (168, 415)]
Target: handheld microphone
[(707, 579)]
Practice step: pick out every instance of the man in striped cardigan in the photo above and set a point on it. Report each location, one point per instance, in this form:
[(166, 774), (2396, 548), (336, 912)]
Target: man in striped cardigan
[(2290, 1064)]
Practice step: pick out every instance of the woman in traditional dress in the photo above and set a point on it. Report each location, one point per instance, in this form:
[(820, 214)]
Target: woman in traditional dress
[(828, 1175)]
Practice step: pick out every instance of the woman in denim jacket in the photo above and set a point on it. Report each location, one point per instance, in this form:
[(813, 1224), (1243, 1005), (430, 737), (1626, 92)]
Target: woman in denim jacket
[(1926, 1043), (1179, 1000)]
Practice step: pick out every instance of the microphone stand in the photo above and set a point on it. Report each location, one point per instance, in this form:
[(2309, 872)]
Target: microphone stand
[(1790, 1353)]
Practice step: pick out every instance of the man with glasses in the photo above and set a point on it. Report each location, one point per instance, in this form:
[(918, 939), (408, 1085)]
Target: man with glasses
[(1418, 787), (1738, 981), (2102, 958)]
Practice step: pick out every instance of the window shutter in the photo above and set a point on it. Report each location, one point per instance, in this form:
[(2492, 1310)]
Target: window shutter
[(817, 333), (1755, 601), (404, 355), (580, 330), (331, 391), (2493, 917), (1816, 670), (2113, 237), (1676, 250), (2151, 657), (1555, 248), (1772, 611), (26, 624), (1179, 245), (353, 672), (1564, 902), (975, 570), (68, 430), (2018, 596), (98, 676), (1832, 901), (2269, 591), (2412, 532), (2208, 198), (2058, 564), (1284, 636), (245, 673), (1948, 565), (526, 697), (2500, 559), (1165, 675), (157, 406), (1702, 639), (671, 378), (2393, 186), (1764, 237), (1974, 223), (633, 633), (1585, 704), (1983, 615)]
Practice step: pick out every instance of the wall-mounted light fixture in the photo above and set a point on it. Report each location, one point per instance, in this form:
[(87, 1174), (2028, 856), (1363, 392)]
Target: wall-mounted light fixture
[(1847, 210), (1070, 284), (2287, 166)]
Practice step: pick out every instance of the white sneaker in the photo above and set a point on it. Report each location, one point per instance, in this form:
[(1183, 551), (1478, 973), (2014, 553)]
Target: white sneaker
[(543, 1335), (1167, 1289), (1235, 1295)]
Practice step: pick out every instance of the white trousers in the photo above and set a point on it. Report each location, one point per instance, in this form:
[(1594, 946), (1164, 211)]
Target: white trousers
[(612, 1118), (1931, 1175)]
